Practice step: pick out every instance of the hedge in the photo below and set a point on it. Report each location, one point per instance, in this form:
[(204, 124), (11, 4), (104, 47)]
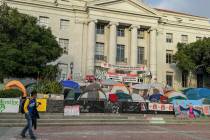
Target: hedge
[(10, 93)]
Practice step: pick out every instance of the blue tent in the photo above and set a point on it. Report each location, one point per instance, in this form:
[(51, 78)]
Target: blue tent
[(198, 93), (70, 84), (155, 97)]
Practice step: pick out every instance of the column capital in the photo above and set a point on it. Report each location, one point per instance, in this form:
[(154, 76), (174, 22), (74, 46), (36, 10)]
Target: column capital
[(113, 23), (92, 20), (152, 29), (134, 27)]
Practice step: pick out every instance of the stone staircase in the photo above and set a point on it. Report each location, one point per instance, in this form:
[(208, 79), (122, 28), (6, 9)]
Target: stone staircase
[(58, 119)]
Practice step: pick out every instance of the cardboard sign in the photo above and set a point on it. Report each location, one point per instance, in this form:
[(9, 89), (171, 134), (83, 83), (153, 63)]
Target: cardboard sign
[(9, 105), (71, 110), (42, 105), (160, 107)]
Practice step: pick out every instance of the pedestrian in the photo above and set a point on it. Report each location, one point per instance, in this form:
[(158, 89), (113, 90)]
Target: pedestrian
[(29, 109)]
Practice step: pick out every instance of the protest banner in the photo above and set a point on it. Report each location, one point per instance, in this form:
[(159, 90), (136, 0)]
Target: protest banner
[(71, 110), (160, 107), (42, 105), (9, 105)]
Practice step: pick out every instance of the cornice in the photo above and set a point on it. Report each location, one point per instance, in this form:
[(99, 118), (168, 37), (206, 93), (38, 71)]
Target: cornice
[(122, 12)]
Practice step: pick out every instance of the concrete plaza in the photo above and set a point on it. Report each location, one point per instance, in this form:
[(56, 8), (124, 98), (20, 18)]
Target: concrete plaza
[(113, 132)]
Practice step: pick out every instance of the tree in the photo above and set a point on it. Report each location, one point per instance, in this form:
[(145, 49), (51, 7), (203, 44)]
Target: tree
[(25, 47), (193, 57)]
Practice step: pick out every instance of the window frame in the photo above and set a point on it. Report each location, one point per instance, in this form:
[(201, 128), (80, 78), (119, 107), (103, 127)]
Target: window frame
[(64, 45), (169, 37), (100, 28), (120, 54), (140, 34), (120, 31), (184, 40), (100, 55), (140, 55), (44, 21), (64, 26), (169, 76), (169, 57)]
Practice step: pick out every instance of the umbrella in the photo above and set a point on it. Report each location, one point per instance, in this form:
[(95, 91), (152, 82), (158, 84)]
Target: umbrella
[(141, 86), (120, 88), (198, 93), (123, 96), (172, 95), (93, 96), (155, 97), (137, 98), (109, 82), (69, 84)]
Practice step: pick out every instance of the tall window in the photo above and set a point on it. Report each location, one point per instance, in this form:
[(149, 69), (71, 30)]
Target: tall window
[(198, 38), (140, 55), (120, 53), (169, 56), (64, 24), (169, 37), (140, 34), (121, 31), (100, 28), (99, 52), (64, 43), (169, 78), (44, 21), (184, 39), (184, 79)]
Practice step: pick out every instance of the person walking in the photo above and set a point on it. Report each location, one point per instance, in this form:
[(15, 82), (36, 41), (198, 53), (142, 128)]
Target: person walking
[(29, 106)]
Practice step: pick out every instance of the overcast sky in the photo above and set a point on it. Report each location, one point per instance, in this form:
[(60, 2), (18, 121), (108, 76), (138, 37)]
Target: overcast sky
[(194, 7)]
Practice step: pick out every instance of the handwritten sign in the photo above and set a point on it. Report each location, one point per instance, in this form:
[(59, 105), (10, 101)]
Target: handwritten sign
[(9, 105), (71, 110), (161, 107)]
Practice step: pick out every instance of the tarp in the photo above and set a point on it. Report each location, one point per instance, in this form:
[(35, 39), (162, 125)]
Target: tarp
[(16, 84), (120, 88), (175, 95), (70, 84), (198, 93)]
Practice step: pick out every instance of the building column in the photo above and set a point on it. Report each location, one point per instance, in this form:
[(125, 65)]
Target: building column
[(153, 54), (91, 46), (134, 43), (113, 43)]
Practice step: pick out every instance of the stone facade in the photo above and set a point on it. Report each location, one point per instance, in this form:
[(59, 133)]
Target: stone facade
[(80, 25)]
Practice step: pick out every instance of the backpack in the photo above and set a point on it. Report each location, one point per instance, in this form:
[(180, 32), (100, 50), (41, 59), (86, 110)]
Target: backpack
[(22, 106)]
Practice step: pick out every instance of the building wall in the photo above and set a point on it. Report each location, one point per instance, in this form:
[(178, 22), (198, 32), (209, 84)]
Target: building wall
[(81, 12)]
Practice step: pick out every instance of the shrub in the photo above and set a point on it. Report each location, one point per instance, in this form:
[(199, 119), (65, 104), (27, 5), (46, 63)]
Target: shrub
[(10, 93), (47, 87)]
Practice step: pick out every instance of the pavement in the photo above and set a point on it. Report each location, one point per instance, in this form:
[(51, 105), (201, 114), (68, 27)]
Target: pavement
[(114, 132)]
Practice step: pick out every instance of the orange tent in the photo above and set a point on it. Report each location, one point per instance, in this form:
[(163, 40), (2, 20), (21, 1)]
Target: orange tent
[(120, 87), (16, 84)]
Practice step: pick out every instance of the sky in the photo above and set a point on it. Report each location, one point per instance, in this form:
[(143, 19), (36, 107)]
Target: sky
[(194, 7)]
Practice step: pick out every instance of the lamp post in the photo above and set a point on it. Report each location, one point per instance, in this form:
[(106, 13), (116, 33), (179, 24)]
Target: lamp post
[(71, 68)]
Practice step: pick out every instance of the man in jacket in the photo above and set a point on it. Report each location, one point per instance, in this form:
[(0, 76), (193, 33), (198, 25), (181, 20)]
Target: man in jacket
[(29, 106)]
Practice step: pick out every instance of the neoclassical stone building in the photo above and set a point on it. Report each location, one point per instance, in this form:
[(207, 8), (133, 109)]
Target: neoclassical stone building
[(120, 33)]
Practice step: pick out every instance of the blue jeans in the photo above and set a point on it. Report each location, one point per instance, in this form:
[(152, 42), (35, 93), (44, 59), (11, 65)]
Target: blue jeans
[(28, 126)]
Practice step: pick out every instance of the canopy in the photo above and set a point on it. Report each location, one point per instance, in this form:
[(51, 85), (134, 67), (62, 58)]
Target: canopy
[(16, 84), (198, 93), (93, 96), (69, 84), (119, 88), (109, 82), (137, 98)]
